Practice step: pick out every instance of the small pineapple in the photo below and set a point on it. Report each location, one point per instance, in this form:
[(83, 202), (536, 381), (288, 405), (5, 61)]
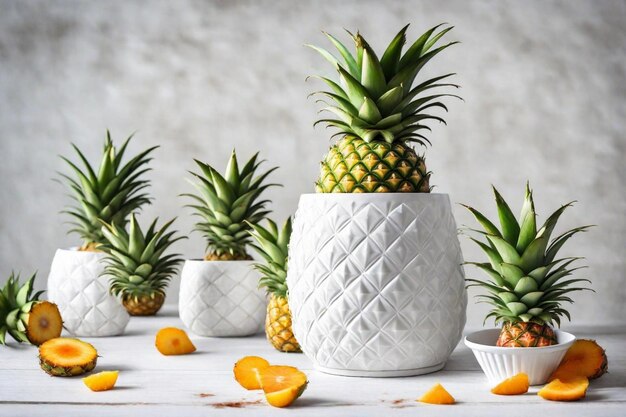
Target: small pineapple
[(527, 283), (226, 205), (379, 114), (109, 195), (139, 270), (24, 317), (273, 246)]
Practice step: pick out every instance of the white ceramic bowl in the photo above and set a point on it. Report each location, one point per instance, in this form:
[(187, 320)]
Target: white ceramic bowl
[(499, 363)]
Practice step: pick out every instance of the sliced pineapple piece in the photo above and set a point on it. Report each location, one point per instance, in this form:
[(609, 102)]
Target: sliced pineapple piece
[(173, 341), (247, 371), (571, 390), (102, 381), (282, 385), (64, 356), (585, 358), (44, 323), (437, 395), (516, 385)]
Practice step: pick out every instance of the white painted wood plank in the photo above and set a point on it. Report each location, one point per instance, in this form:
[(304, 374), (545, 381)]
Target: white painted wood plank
[(202, 383)]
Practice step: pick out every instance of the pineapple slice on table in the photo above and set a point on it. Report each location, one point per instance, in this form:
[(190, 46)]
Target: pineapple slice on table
[(571, 390), (173, 341), (102, 381), (437, 395), (516, 385), (64, 356)]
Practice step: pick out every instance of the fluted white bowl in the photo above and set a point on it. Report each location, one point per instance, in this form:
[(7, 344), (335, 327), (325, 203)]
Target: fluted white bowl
[(499, 363)]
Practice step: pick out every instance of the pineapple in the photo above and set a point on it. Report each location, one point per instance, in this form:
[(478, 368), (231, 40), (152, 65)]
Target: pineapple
[(102, 381), (272, 246), (135, 261), (227, 205), (379, 113), (109, 195), (528, 283), (24, 317), (173, 341), (64, 356)]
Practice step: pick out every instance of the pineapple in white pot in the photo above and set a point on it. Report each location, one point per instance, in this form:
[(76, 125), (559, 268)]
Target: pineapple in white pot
[(219, 294), (109, 193), (376, 285)]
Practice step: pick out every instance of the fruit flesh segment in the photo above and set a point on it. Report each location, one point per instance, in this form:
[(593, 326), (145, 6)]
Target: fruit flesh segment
[(282, 384), (173, 341), (437, 395), (571, 390), (247, 371), (515, 385), (585, 358), (44, 323), (101, 381)]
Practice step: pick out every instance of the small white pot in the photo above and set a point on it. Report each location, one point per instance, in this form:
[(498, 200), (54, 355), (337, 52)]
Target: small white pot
[(499, 363), (376, 285), (82, 294), (221, 298)]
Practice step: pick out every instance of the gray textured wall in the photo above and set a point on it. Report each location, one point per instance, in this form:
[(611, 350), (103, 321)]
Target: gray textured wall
[(544, 86)]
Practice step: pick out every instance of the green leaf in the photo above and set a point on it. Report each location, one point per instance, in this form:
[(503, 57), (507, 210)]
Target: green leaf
[(517, 308), (369, 112), (232, 171), (356, 92), (510, 228), (415, 50), (391, 57), (346, 55), (494, 257), (528, 218), (495, 276), (511, 273), (388, 101), (506, 251), (489, 227), (533, 256), (525, 285), (508, 297)]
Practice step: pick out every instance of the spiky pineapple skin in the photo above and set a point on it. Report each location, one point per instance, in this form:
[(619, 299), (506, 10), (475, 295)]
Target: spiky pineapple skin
[(50, 365), (353, 165), (526, 335), (144, 305), (278, 325)]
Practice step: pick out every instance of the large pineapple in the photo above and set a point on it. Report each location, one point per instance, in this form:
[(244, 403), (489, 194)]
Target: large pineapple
[(24, 317), (379, 113), (272, 246), (528, 284), (137, 265), (110, 194), (227, 205)]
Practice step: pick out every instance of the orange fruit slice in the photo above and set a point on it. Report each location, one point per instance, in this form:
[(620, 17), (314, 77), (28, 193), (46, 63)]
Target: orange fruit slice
[(173, 341), (247, 370), (282, 385), (571, 390), (102, 381), (437, 395), (585, 358), (516, 385)]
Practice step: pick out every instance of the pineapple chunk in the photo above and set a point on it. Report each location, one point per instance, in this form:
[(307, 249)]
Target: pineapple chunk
[(571, 390), (247, 371), (282, 385), (102, 381), (437, 395), (173, 341), (64, 356), (44, 323), (516, 385)]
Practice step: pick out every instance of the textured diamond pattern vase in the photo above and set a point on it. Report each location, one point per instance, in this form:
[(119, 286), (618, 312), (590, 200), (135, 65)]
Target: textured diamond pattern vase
[(376, 285), (221, 298), (75, 284)]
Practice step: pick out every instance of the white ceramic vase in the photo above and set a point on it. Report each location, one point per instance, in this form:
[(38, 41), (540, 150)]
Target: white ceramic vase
[(376, 283), (77, 286), (221, 298)]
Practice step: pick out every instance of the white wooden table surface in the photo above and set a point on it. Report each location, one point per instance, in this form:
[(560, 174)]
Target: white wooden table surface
[(202, 383)]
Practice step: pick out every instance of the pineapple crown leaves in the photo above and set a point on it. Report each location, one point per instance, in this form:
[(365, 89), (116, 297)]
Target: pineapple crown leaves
[(16, 301), (227, 204), (110, 194), (272, 245), (135, 260), (375, 98), (527, 282)]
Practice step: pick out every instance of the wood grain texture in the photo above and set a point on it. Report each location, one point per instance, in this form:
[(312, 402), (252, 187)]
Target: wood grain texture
[(202, 383)]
